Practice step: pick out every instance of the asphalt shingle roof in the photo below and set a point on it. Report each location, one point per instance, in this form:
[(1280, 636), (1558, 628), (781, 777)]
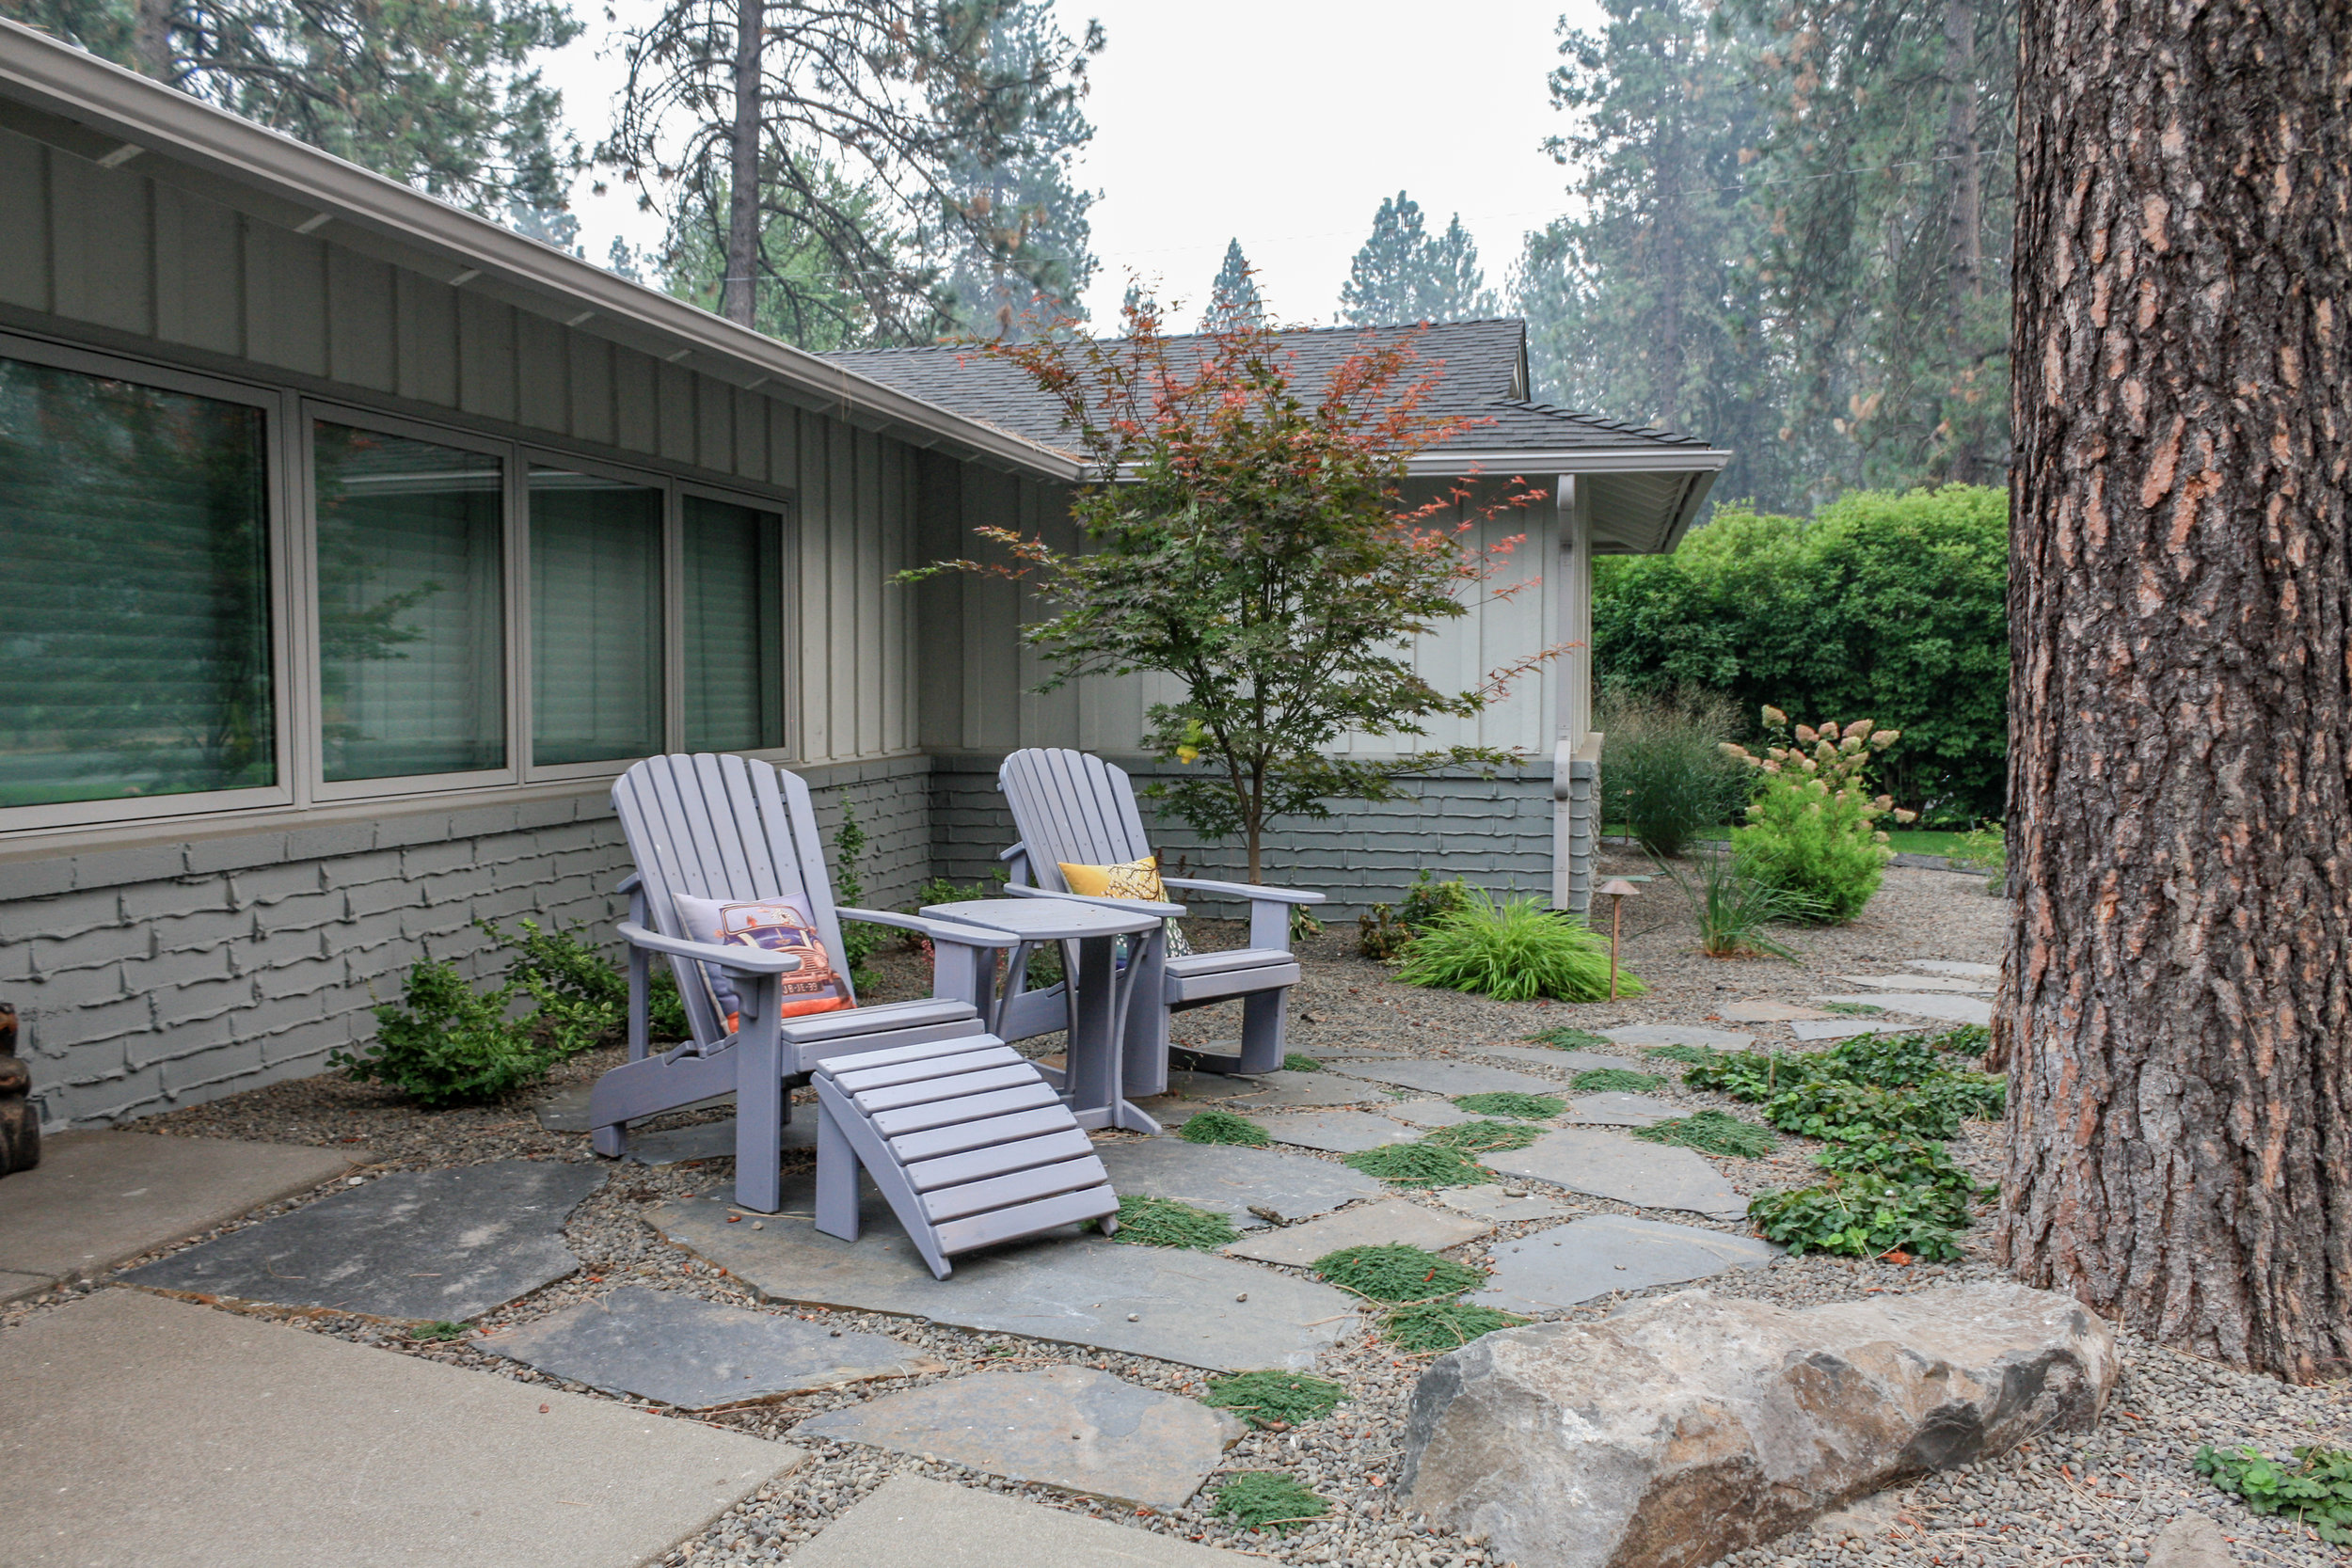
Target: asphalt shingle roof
[(1484, 378)]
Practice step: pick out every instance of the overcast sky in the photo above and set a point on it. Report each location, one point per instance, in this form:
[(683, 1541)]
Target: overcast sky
[(1279, 123)]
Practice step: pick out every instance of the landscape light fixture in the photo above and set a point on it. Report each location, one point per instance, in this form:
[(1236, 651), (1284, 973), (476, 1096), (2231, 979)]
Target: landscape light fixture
[(1619, 890)]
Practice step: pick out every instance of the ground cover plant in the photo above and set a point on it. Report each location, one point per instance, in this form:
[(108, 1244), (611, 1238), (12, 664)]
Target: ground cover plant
[(1223, 1127), (1396, 1273), (1420, 1165), (1432, 1327), (1681, 1052), (1163, 1222), (1513, 950), (1382, 931), (1860, 1216), (2316, 1490), (1616, 1080), (1565, 1038), (1275, 1399), (1269, 1500), (1510, 1102), (1812, 830), (1485, 1137), (1851, 1009), (1294, 1062), (1711, 1133)]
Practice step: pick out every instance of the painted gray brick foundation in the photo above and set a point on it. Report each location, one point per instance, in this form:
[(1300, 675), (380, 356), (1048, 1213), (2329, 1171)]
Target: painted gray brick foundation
[(168, 973)]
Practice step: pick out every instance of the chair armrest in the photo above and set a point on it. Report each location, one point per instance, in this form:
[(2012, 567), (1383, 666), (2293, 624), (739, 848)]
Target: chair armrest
[(938, 931), (737, 960), (630, 883), (1124, 906), (1245, 890)]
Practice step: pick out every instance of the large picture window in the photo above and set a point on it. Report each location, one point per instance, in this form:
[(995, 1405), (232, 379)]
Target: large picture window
[(411, 601), (596, 618), (734, 637), (135, 657)]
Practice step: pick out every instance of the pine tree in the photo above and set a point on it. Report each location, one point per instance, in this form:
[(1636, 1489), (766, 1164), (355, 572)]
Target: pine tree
[(1401, 275), (441, 94), (1233, 298)]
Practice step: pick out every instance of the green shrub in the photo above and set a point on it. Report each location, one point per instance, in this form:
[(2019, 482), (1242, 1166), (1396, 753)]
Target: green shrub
[(1616, 1080), (1663, 774), (1812, 830), (1514, 951), (1222, 1126), (1163, 1222), (1275, 1399), (1982, 849), (1484, 1137), (2316, 1491), (580, 992), (1429, 1327), (1861, 1216), (1396, 1273), (1565, 1038), (1383, 931), (1420, 1165), (858, 938), (1268, 1499), (1712, 1132), (443, 1044), (1732, 909), (1510, 1102)]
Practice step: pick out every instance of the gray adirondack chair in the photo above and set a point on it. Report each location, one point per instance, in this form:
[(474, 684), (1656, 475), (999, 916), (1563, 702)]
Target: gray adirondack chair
[(1070, 807), (736, 829)]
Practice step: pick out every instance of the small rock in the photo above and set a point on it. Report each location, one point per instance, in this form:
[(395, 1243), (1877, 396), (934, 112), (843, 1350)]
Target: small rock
[(2191, 1541)]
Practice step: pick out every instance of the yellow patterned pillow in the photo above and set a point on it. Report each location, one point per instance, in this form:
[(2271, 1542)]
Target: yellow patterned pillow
[(1134, 880)]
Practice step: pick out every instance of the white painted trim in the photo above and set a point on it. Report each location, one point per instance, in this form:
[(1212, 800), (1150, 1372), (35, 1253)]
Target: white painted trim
[(1647, 460)]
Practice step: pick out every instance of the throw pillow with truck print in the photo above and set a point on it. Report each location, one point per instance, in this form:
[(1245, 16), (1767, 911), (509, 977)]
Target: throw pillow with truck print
[(774, 926)]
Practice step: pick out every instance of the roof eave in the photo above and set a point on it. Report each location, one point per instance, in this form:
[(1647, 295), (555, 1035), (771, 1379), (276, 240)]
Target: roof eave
[(1628, 460), (149, 117)]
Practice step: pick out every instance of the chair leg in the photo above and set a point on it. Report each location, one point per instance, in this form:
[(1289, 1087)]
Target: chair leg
[(1261, 1030), (759, 1098), (1143, 1072), (836, 1178), (610, 1142)]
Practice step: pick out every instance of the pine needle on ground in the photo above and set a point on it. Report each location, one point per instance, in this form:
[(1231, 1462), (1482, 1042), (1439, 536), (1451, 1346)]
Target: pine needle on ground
[(1712, 1132), (1485, 1137), (1268, 1499), (1274, 1399), (1163, 1222), (1223, 1127), (1508, 1103), (1420, 1165)]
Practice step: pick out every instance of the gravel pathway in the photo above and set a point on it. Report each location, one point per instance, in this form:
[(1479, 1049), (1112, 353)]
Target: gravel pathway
[(2099, 1497)]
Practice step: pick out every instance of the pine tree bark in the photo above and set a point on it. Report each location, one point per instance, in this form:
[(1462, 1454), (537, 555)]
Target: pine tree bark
[(150, 38), (736, 299), (2177, 995)]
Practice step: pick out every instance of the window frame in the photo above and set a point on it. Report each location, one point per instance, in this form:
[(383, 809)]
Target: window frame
[(289, 713), (787, 609)]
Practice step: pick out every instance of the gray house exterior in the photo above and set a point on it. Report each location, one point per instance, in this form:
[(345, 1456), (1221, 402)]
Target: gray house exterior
[(358, 543)]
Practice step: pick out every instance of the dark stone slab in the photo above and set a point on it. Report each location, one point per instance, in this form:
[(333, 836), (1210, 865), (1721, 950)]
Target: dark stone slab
[(1545, 1271), (1284, 1091), (712, 1140), (1448, 1078), (1678, 1033), (1610, 1165), (698, 1354), (1068, 1287), (1388, 1223), (1558, 1061), (1070, 1427), (1233, 1180), (1614, 1109), (437, 1245), (1336, 1132)]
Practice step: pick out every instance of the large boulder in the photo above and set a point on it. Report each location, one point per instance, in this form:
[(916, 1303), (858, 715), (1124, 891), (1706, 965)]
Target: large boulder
[(1687, 1427)]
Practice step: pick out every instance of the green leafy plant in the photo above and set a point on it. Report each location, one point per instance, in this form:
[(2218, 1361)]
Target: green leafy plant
[(1615, 1080), (1383, 930), (1222, 1126), (1420, 1165), (2314, 1490), (1275, 1399), (1983, 847), (1513, 950), (858, 938), (1429, 1327), (1565, 1038), (1860, 1216), (1396, 1273), (1968, 1039), (1750, 1075), (1163, 1222), (582, 995), (437, 1331), (1294, 1062), (445, 1045), (1712, 1132), (1839, 1108), (1510, 1102), (1269, 1500), (1663, 773), (1484, 1137), (1732, 909), (1812, 830), (1908, 1162)]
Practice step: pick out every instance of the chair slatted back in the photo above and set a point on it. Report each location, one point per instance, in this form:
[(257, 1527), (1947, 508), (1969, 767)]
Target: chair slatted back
[(725, 828), (1070, 806)]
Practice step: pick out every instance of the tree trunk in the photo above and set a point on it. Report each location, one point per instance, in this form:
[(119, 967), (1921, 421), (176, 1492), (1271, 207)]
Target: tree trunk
[(735, 301), (150, 38), (1965, 287), (2177, 997)]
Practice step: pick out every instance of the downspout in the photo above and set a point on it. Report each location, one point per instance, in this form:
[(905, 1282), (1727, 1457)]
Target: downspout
[(1574, 752)]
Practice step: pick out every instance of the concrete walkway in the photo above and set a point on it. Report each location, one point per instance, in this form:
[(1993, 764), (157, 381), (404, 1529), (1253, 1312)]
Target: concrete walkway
[(98, 1199), (912, 1523), (137, 1432)]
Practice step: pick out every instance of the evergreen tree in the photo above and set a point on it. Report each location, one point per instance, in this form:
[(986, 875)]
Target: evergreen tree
[(1233, 298), (441, 94), (1401, 275), (806, 300)]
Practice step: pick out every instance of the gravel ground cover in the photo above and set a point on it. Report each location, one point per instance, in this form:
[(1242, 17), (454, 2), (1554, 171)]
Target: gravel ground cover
[(2097, 1497)]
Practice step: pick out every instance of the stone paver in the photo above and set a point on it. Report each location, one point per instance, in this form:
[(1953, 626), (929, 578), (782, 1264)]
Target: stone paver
[(1428, 1113), (1768, 1012), (1210, 1086), (1610, 1165), (1615, 1109), (1846, 1029), (1068, 1287), (1285, 1091), (1564, 1061), (1352, 1053), (1547, 1269), (908, 1521), (1919, 983), (1234, 1181), (1678, 1033), (139, 1430), (1389, 1222), (99, 1199), (1497, 1203), (1448, 1078), (435, 1244), (710, 1140), (1953, 966), (1070, 1427), (1952, 1009), (1336, 1132), (698, 1354)]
